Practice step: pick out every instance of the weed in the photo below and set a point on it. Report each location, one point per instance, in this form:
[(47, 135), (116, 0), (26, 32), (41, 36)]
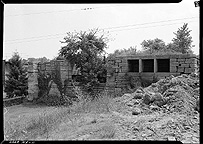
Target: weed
[(100, 104)]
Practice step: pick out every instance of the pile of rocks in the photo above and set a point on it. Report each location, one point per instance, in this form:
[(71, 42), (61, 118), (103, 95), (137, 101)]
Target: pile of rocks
[(172, 94)]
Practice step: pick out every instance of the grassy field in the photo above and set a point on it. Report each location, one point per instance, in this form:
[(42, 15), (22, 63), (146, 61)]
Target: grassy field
[(42, 122), (103, 118)]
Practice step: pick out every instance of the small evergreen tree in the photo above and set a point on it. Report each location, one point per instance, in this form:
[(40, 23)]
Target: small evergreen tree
[(17, 80), (182, 41)]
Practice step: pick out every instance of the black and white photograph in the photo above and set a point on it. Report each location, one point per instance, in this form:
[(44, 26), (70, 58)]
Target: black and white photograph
[(101, 71)]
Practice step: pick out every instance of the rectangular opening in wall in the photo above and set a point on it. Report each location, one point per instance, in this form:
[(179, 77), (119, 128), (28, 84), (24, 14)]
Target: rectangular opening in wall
[(133, 65), (163, 65), (148, 65)]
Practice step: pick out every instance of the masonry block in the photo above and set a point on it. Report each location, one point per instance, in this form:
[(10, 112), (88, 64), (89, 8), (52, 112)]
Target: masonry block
[(180, 69), (189, 70), (182, 62), (188, 60), (124, 61), (193, 60), (192, 65), (173, 68), (172, 60), (118, 90), (181, 59), (174, 63), (184, 55), (184, 65), (118, 60)]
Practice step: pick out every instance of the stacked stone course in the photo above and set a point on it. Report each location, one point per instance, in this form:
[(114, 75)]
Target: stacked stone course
[(118, 69)]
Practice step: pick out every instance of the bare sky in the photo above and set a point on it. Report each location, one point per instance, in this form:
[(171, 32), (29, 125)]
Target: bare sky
[(34, 30)]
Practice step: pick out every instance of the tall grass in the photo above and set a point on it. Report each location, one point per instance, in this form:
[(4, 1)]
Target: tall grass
[(33, 127), (100, 104), (43, 124)]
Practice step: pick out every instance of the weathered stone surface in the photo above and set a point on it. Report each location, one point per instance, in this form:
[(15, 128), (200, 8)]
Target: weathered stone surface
[(172, 60), (189, 70), (54, 90), (139, 90), (174, 63), (146, 99), (118, 90), (138, 95), (178, 64), (160, 102), (154, 107), (173, 69), (32, 85), (156, 97), (181, 59), (136, 111), (184, 65), (118, 60), (193, 65), (180, 69)]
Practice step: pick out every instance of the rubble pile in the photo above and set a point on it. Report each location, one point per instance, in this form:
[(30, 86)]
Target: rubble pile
[(172, 94), (165, 110)]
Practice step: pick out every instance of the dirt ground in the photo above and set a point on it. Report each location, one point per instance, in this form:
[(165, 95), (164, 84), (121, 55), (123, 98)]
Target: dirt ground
[(129, 117)]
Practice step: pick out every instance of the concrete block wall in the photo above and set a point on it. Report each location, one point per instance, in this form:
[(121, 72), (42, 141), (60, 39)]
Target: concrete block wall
[(118, 68)]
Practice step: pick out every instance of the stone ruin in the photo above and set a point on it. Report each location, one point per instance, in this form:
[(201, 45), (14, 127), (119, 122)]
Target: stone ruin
[(63, 66), (147, 67), (67, 73), (137, 66)]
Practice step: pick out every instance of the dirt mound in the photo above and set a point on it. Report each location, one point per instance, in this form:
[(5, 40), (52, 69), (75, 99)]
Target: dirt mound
[(172, 94), (165, 110)]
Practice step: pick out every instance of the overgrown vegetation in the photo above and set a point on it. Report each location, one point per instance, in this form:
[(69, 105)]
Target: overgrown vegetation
[(42, 125), (45, 81), (86, 50), (17, 80)]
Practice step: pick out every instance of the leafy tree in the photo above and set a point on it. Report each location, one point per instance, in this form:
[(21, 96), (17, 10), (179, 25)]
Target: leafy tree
[(121, 52), (86, 50), (182, 41), (41, 60), (153, 45), (17, 82)]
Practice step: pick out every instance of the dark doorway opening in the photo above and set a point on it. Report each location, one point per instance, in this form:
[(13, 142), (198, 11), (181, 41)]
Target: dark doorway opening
[(163, 65), (148, 65), (133, 65)]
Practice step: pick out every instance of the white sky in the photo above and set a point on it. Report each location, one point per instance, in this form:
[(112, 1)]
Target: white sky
[(34, 30)]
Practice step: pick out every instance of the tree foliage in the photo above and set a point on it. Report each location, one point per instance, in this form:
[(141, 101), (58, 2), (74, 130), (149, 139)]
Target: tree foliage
[(182, 41), (153, 45), (17, 80), (122, 52), (86, 50)]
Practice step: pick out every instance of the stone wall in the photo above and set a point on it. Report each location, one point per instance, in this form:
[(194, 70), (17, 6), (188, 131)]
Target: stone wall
[(32, 81), (162, 65), (66, 72)]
